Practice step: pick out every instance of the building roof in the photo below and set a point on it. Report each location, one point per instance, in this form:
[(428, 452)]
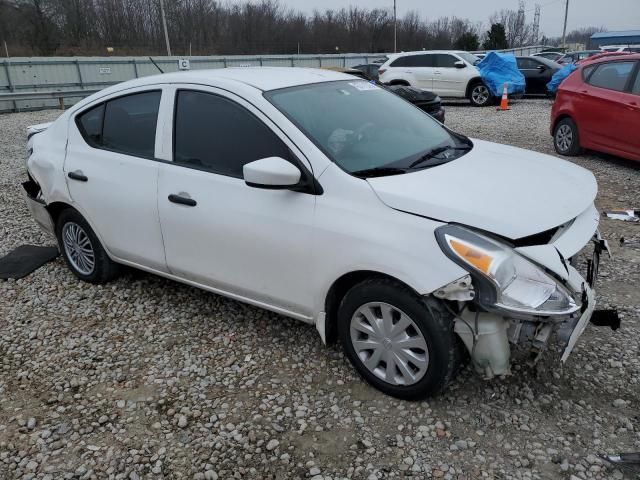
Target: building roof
[(621, 33)]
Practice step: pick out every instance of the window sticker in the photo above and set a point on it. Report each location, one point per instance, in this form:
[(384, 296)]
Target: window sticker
[(364, 86)]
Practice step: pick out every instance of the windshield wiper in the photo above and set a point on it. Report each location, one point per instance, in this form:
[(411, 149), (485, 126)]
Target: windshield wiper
[(379, 172), (435, 152)]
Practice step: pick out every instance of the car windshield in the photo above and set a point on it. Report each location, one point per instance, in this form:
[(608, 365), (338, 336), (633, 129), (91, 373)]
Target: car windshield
[(365, 129), (469, 57)]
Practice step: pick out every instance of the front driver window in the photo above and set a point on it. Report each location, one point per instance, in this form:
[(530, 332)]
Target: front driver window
[(216, 134)]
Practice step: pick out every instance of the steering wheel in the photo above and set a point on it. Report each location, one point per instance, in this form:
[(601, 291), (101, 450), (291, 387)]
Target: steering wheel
[(361, 134)]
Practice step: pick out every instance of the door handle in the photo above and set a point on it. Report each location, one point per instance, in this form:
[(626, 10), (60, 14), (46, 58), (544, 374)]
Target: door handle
[(77, 175), (179, 199)]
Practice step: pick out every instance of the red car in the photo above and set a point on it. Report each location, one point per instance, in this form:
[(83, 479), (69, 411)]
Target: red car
[(597, 107)]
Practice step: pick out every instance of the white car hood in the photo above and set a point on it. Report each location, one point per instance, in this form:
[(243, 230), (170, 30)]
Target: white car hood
[(497, 188)]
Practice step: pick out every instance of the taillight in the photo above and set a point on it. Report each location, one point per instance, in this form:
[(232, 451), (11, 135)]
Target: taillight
[(381, 71)]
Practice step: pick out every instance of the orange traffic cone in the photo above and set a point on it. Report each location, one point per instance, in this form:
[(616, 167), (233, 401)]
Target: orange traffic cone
[(504, 102)]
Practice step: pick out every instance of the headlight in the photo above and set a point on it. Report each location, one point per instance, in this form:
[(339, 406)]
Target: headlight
[(507, 280)]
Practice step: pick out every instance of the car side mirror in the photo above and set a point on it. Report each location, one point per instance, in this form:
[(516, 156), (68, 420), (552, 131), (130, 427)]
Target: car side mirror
[(460, 64), (271, 173)]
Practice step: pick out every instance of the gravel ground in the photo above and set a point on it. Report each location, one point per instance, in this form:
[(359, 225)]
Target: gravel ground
[(147, 378)]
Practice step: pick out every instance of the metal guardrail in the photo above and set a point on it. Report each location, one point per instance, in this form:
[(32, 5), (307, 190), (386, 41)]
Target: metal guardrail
[(30, 83)]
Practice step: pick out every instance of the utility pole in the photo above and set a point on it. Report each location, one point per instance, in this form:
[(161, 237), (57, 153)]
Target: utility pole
[(564, 29), (6, 50), (395, 28), (164, 25), (536, 24)]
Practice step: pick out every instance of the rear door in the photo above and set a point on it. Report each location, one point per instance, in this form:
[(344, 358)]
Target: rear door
[(112, 174), (448, 80), (608, 116), (416, 69)]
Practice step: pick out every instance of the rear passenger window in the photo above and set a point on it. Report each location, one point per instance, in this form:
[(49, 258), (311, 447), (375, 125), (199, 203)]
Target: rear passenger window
[(124, 125), (636, 85), (613, 75), (414, 61), (90, 125), (423, 60), (130, 124), (218, 135)]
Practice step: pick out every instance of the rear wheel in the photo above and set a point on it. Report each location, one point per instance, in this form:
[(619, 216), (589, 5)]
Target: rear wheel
[(480, 96), (399, 342), (565, 138), (81, 249)]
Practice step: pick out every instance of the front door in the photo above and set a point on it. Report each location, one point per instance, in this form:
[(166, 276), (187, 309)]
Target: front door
[(448, 80), (112, 175), (217, 230)]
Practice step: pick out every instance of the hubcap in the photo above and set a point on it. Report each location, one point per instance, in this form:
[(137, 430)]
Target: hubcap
[(78, 248), (389, 343), (480, 94), (564, 138)]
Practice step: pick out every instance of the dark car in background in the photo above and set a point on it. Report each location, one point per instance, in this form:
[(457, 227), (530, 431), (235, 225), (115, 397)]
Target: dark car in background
[(537, 72), (553, 56), (426, 101), (573, 57), (369, 69)]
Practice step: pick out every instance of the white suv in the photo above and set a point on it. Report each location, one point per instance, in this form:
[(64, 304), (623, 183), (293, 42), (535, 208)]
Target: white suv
[(446, 73)]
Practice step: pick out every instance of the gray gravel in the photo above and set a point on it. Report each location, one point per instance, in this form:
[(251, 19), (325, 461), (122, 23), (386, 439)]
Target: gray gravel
[(147, 378)]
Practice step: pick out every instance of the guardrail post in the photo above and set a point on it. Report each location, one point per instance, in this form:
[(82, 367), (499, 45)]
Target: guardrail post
[(61, 101), (135, 67), (77, 62), (11, 87)]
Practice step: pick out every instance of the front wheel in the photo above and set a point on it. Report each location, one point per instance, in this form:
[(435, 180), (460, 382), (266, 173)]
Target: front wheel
[(399, 342), (480, 96)]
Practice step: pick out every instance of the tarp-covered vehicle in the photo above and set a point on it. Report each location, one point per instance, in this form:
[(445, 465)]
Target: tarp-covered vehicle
[(498, 69), (559, 76)]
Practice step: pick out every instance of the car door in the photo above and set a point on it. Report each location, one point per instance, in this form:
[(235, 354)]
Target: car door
[(243, 241), (633, 112), (448, 80), (607, 115), (536, 74), (423, 67), (112, 175)]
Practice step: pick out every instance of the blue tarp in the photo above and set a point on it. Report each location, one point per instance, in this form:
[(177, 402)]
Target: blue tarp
[(496, 69), (559, 76)]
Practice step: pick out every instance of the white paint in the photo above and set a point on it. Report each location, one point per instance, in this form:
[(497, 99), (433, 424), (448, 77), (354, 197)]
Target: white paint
[(281, 249)]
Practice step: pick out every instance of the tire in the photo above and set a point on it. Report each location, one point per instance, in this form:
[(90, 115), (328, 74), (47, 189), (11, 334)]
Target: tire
[(479, 95), (82, 251), (566, 140), (430, 332)]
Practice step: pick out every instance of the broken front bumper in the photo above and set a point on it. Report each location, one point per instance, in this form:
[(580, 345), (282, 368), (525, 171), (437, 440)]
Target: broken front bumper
[(38, 207)]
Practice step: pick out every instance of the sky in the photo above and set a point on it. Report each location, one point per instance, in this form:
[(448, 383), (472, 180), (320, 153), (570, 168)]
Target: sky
[(612, 14)]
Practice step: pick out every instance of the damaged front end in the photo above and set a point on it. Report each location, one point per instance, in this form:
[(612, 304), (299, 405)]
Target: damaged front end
[(519, 297)]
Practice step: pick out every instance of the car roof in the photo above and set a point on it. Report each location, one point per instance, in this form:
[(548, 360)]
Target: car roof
[(610, 56), (262, 78), (418, 52)]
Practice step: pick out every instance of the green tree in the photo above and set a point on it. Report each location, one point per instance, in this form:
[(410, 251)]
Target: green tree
[(468, 41), (496, 38)]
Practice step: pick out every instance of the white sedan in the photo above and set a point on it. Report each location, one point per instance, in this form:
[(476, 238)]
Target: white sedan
[(330, 200)]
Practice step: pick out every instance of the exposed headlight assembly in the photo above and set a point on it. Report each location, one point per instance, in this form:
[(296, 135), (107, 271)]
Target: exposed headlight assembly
[(506, 280)]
